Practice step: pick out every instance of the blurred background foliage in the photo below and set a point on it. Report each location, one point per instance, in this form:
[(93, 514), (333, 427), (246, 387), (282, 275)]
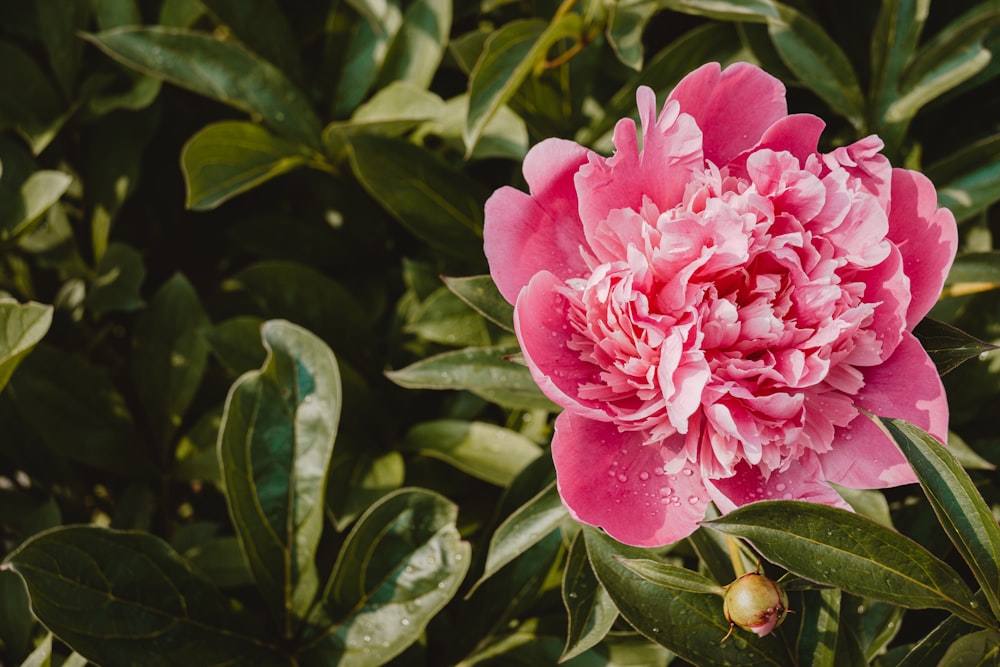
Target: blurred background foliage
[(174, 173)]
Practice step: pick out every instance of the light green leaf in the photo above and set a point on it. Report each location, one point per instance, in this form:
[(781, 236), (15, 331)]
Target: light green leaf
[(444, 318), (726, 10), (526, 527), (42, 655), (929, 650), (505, 135), (672, 577), (979, 269), (366, 52), (169, 354), (122, 598), (691, 625), (486, 451), (894, 41), (839, 548), (591, 612), (39, 192), (275, 445), (223, 71), (401, 563), (817, 617), (21, 327), (624, 31), (440, 205), (417, 48), (973, 182), (482, 370), (978, 649), (481, 293), (359, 477), (958, 505), (226, 159), (509, 56)]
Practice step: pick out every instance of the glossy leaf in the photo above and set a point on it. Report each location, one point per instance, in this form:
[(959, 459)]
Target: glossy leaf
[(169, 354), (591, 612), (418, 46), (672, 577), (948, 346), (224, 71), (624, 31), (839, 548), (488, 452), (359, 477), (929, 650), (481, 293), (262, 26), (509, 56), (691, 625), (228, 158), (21, 327), (969, 181), (444, 318), (727, 10), (39, 192), (958, 505), (401, 563), (368, 44), (894, 40), (275, 445), (482, 370), (127, 598), (977, 649)]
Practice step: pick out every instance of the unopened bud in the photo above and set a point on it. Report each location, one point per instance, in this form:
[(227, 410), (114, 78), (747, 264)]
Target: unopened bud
[(755, 603)]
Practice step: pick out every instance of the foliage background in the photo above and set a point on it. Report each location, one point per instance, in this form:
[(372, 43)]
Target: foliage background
[(177, 172)]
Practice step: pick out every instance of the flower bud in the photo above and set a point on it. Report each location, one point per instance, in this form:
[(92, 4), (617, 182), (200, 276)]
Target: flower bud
[(755, 603)]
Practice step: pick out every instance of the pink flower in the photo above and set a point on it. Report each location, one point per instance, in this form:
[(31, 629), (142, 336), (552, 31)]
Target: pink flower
[(712, 310)]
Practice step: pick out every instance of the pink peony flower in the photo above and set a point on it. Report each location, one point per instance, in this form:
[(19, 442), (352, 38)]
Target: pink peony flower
[(712, 309)]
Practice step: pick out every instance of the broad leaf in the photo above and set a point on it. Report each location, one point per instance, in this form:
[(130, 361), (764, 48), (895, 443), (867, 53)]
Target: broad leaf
[(21, 327), (228, 158), (123, 598), (444, 318), (418, 46), (263, 27), (491, 453), (401, 563), (38, 193), (624, 31), (958, 505), (367, 45), (839, 548), (929, 651), (672, 577), (224, 71), (894, 40), (275, 445), (481, 293), (28, 100), (482, 370), (948, 346), (591, 612), (969, 180), (978, 649)]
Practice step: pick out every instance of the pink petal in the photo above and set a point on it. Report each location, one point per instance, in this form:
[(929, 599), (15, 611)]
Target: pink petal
[(541, 320), (926, 235), (523, 234), (733, 107), (906, 386), (802, 481), (613, 480), (798, 134)]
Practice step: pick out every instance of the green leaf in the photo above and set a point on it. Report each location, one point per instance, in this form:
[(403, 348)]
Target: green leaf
[(236, 343), (726, 10), (894, 42), (122, 598), (481, 293), (117, 284), (671, 576), (21, 327), (505, 135), (29, 102), (275, 445), (486, 451), (978, 649), (969, 180), (973, 271), (438, 204), (366, 52), (818, 62), (223, 71), (444, 318), (624, 31), (277, 43), (958, 505), (39, 192), (591, 612), (359, 477), (169, 354), (417, 48), (58, 22), (42, 655), (529, 525), (948, 346), (691, 625), (509, 56), (229, 158), (401, 563), (16, 622), (482, 370), (930, 649), (839, 548)]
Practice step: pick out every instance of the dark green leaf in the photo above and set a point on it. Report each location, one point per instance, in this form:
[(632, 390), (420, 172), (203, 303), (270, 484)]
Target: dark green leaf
[(672, 577), (482, 370), (224, 71), (948, 346), (248, 20), (958, 505), (236, 343), (126, 598), (894, 41), (16, 621), (401, 563), (816, 618), (438, 204), (591, 612), (21, 327), (118, 283), (359, 477), (169, 354), (28, 101), (978, 649), (42, 655), (369, 42), (221, 560), (930, 649), (38, 193), (836, 547), (226, 159), (726, 10), (491, 453), (973, 178), (417, 47), (691, 625), (481, 293), (275, 445), (973, 272), (59, 21)]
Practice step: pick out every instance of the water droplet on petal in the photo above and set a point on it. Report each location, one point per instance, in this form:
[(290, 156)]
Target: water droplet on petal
[(780, 486), (623, 478), (693, 500), (688, 472), (644, 475), (665, 490)]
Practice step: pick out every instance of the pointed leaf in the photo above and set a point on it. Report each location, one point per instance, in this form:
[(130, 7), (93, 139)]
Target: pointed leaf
[(401, 563), (894, 42), (836, 547), (931, 648), (958, 505), (672, 577), (278, 43), (948, 346), (444, 318), (726, 10), (591, 612), (624, 31), (481, 293), (39, 192), (275, 444), (119, 598), (226, 159), (978, 649), (224, 71), (366, 52), (417, 48), (21, 327)]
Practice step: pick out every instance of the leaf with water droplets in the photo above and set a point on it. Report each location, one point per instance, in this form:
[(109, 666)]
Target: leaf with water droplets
[(672, 577), (591, 611)]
